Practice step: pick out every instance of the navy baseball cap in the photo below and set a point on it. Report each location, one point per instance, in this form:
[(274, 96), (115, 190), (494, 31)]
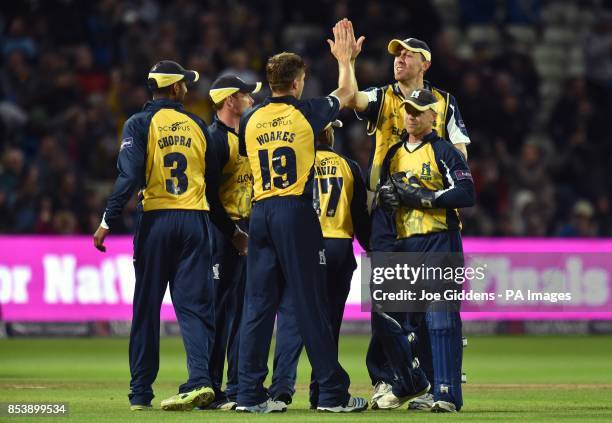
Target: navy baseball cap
[(227, 85), (167, 72), (396, 46), (420, 100)]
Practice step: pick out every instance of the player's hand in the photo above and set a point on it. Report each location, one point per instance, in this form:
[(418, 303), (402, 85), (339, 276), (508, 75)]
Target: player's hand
[(355, 44), (341, 47), (99, 237), (411, 193), (387, 197), (240, 240)]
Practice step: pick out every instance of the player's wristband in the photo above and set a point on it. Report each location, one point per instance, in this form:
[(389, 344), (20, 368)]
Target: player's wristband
[(103, 224)]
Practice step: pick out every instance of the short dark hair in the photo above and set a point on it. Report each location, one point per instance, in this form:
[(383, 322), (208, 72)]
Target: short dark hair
[(282, 69), (162, 92)]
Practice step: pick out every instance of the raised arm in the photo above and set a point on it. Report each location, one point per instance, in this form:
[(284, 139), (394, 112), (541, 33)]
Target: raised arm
[(360, 100), (342, 49)]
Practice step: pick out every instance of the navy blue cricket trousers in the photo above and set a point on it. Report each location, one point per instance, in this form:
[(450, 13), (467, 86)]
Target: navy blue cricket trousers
[(341, 264), (229, 276), (383, 239), (171, 247), (286, 256), (443, 328)]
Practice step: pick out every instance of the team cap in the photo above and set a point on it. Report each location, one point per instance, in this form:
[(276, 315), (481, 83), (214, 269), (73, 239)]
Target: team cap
[(396, 46), (167, 72), (225, 86), (421, 100)]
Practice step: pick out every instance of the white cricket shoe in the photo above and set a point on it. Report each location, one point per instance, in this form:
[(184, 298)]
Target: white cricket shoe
[(269, 406), (380, 389), (390, 401), (354, 405), (443, 407), (424, 402)]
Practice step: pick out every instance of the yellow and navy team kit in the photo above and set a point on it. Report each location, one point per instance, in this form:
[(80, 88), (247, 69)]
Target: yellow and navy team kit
[(385, 119), (278, 137), (439, 167), (165, 153), (286, 249), (236, 181), (339, 196)]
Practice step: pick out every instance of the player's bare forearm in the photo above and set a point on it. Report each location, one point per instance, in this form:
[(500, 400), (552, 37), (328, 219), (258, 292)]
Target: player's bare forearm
[(346, 90), (353, 103)]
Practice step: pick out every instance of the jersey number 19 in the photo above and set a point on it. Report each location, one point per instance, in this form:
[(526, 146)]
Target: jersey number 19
[(283, 165)]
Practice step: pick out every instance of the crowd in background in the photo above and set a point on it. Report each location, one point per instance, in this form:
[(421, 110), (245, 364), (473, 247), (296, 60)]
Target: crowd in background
[(71, 72)]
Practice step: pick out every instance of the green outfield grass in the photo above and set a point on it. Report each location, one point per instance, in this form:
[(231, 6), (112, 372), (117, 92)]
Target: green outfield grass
[(523, 379)]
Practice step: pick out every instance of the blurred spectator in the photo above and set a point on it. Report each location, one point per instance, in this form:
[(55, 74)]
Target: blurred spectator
[(532, 191), (577, 110), (18, 40), (582, 223)]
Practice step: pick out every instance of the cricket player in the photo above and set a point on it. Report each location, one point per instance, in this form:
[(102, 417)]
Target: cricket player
[(341, 203), (231, 97), (380, 107), (427, 181), (165, 152), (286, 252)]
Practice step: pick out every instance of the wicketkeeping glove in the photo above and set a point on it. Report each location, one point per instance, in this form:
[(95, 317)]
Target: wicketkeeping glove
[(387, 196), (411, 193)]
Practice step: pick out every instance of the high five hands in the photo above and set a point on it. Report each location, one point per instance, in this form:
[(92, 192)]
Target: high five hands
[(345, 46)]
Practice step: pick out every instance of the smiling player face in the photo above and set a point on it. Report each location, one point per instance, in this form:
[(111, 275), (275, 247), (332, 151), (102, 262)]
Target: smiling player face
[(408, 64)]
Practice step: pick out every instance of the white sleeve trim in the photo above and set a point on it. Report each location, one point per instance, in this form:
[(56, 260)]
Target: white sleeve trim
[(372, 95), (336, 97), (103, 224), (455, 135), (449, 179)]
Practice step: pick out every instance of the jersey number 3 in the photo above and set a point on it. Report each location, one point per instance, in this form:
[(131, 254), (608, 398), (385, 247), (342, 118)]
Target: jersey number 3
[(178, 164), (283, 164)]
